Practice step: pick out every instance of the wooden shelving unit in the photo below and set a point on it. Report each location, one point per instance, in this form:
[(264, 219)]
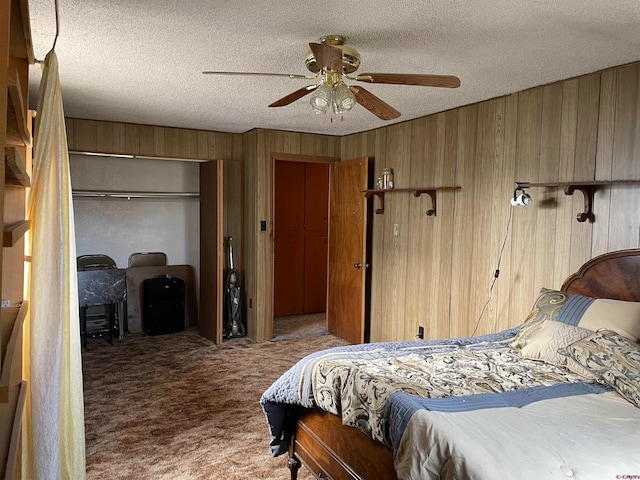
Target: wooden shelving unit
[(12, 387), (14, 232), (18, 133), (15, 172), (16, 53), (587, 188), (417, 191)]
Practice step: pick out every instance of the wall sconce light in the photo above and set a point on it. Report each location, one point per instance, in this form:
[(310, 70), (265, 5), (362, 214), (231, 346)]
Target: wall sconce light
[(520, 199)]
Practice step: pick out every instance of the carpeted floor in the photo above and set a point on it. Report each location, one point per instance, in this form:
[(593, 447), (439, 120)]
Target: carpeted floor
[(299, 326), (178, 407)]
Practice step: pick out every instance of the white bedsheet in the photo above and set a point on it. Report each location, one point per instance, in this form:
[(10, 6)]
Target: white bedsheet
[(581, 437)]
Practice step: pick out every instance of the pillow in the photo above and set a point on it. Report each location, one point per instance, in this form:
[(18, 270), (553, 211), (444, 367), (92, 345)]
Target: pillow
[(547, 307), (612, 358), (580, 311), (545, 342)]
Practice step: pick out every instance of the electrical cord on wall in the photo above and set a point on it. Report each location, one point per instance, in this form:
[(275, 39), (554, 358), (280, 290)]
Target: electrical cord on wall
[(496, 273)]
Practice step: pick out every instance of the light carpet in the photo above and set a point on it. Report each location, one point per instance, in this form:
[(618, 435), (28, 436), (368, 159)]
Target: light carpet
[(178, 407), (299, 326)]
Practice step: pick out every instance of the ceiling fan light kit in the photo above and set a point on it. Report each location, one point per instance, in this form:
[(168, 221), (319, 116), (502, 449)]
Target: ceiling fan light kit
[(332, 61), (321, 98), (332, 93), (343, 99)]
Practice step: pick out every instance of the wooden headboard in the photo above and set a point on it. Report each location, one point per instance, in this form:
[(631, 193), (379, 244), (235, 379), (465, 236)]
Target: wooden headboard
[(613, 275)]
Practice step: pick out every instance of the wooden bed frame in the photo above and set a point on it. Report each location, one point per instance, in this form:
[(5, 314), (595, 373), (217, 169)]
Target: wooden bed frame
[(332, 451)]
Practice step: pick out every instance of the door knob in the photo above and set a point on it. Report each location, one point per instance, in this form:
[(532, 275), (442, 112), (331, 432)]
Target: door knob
[(359, 265)]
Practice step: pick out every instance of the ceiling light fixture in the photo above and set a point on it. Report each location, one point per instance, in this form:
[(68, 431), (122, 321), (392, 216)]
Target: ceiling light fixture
[(321, 98), (343, 99), (332, 93)]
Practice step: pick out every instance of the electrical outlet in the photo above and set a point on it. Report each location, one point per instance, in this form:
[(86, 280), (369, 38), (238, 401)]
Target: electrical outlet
[(396, 229), (5, 304), (420, 333)]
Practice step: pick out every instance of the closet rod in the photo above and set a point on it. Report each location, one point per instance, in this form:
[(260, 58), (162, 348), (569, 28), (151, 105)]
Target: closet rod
[(130, 195)]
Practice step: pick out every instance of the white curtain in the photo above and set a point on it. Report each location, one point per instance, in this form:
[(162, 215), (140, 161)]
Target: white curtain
[(55, 444)]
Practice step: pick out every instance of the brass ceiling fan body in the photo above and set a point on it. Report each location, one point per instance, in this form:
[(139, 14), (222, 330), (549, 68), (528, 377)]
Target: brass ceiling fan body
[(332, 61), (350, 58)]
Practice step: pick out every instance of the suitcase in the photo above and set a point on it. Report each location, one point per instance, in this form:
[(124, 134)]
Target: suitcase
[(163, 302)]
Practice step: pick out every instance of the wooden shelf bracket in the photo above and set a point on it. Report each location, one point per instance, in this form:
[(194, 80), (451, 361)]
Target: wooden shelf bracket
[(431, 191), (380, 195), (587, 188), (587, 191)]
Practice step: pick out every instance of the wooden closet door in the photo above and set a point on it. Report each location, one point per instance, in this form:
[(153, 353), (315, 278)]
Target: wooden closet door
[(211, 250), (300, 247), (316, 226), (289, 238)]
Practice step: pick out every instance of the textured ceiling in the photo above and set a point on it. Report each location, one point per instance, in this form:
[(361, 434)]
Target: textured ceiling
[(141, 61)]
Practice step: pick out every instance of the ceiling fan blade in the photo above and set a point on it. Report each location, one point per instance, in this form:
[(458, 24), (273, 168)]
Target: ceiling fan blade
[(327, 57), (448, 81), (293, 96), (259, 74), (374, 104)]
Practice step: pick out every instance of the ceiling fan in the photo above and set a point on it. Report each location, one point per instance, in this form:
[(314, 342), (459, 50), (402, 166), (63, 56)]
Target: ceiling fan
[(332, 62)]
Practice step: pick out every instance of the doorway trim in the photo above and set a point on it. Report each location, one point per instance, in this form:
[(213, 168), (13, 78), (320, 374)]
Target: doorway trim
[(284, 157)]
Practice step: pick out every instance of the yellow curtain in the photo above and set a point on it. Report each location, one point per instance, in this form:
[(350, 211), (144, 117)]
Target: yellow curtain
[(55, 440)]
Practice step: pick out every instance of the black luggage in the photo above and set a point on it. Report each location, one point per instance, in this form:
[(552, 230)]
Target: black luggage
[(163, 302)]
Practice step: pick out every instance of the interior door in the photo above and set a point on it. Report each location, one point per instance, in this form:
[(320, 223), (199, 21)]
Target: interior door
[(316, 223), (301, 204), (288, 270), (346, 287), (211, 250)]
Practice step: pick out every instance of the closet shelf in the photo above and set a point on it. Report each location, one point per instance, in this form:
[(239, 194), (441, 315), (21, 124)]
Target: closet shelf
[(13, 232), (587, 188), (130, 195), (15, 172), (417, 191)]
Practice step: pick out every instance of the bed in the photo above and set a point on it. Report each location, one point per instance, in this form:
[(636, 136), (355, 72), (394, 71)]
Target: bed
[(558, 396)]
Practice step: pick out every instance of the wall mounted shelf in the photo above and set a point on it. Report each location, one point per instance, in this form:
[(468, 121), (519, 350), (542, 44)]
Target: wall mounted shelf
[(17, 130), (13, 232), (417, 191), (587, 188), (15, 172)]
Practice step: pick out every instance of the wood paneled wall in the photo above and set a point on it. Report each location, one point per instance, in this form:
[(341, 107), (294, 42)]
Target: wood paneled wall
[(437, 272), (164, 142), (259, 147)]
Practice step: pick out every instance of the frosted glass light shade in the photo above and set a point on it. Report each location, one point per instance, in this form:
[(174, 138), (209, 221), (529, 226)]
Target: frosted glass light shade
[(321, 99), (343, 99)]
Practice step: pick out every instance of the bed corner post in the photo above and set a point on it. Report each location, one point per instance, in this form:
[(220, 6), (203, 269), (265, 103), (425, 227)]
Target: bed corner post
[(294, 465)]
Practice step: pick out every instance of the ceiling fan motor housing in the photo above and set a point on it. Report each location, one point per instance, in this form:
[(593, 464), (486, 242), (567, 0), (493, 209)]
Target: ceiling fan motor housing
[(350, 56)]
